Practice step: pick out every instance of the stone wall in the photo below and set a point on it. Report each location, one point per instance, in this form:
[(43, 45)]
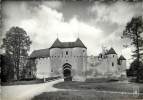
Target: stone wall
[(76, 57), (43, 67)]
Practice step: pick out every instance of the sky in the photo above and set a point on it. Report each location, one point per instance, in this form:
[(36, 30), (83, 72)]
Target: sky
[(97, 24)]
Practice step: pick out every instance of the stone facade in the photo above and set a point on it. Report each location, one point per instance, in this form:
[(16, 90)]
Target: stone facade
[(70, 61), (107, 65), (74, 57), (65, 59)]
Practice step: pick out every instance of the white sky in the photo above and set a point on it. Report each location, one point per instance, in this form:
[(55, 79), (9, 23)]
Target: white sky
[(98, 24)]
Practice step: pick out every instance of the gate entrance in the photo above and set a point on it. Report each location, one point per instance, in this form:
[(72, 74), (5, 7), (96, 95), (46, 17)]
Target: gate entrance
[(67, 72)]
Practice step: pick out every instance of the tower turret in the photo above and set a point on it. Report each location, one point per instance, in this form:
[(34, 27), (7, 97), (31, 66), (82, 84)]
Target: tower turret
[(122, 62), (122, 65), (112, 61)]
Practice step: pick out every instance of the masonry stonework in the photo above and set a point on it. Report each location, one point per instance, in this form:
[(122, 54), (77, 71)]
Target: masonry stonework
[(69, 60)]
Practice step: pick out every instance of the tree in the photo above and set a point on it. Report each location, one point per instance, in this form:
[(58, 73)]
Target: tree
[(133, 31), (132, 71), (6, 68), (17, 44)]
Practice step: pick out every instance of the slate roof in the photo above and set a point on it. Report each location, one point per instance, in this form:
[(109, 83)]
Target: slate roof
[(122, 57), (42, 53), (111, 51), (59, 44)]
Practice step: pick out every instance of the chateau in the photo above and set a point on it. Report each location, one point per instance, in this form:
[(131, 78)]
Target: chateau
[(65, 59), (70, 61)]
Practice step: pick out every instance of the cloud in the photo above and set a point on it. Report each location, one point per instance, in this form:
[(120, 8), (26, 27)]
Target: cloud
[(119, 12), (44, 23), (112, 19), (53, 4)]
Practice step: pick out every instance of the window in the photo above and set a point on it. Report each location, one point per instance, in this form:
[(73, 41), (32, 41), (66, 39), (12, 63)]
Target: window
[(30, 73), (112, 64), (113, 56), (66, 52)]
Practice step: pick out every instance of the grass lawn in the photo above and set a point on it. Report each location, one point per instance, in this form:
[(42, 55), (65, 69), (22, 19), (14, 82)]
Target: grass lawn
[(101, 86), (91, 90), (83, 95)]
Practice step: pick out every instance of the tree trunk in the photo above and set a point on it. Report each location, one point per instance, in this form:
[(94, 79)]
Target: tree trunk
[(138, 57)]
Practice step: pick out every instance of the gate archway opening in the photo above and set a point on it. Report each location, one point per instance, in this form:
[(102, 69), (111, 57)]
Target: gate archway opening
[(67, 72)]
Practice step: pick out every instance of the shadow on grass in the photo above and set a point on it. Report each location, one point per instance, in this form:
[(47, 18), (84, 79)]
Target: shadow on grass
[(82, 95), (104, 86)]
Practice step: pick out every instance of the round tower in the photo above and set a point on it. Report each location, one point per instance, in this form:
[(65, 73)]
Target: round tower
[(112, 61), (122, 65)]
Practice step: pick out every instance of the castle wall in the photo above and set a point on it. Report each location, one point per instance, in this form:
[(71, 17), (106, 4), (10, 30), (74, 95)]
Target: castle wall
[(80, 61), (102, 68), (112, 64), (106, 67), (43, 68)]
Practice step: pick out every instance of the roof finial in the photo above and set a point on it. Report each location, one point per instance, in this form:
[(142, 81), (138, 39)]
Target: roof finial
[(78, 35), (57, 36)]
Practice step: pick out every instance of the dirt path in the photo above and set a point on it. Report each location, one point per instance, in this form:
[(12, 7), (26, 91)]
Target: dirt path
[(26, 92)]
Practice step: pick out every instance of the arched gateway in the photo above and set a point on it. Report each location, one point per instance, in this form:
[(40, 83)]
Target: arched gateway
[(67, 72)]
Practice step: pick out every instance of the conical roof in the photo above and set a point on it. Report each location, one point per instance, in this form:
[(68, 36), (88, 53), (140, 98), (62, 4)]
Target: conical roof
[(122, 57), (56, 44), (79, 43), (111, 51), (59, 44)]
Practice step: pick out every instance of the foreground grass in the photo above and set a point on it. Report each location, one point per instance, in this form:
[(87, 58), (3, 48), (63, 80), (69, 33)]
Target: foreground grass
[(103, 86), (94, 90), (84, 95)]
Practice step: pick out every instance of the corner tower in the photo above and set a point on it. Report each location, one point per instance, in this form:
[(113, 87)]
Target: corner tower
[(122, 65), (112, 61)]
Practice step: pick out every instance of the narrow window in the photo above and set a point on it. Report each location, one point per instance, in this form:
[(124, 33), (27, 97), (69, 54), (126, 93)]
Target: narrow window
[(66, 52), (113, 56), (101, 55), (112, 64)]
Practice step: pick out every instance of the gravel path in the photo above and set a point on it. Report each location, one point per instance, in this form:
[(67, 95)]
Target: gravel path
[(26, 92)]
